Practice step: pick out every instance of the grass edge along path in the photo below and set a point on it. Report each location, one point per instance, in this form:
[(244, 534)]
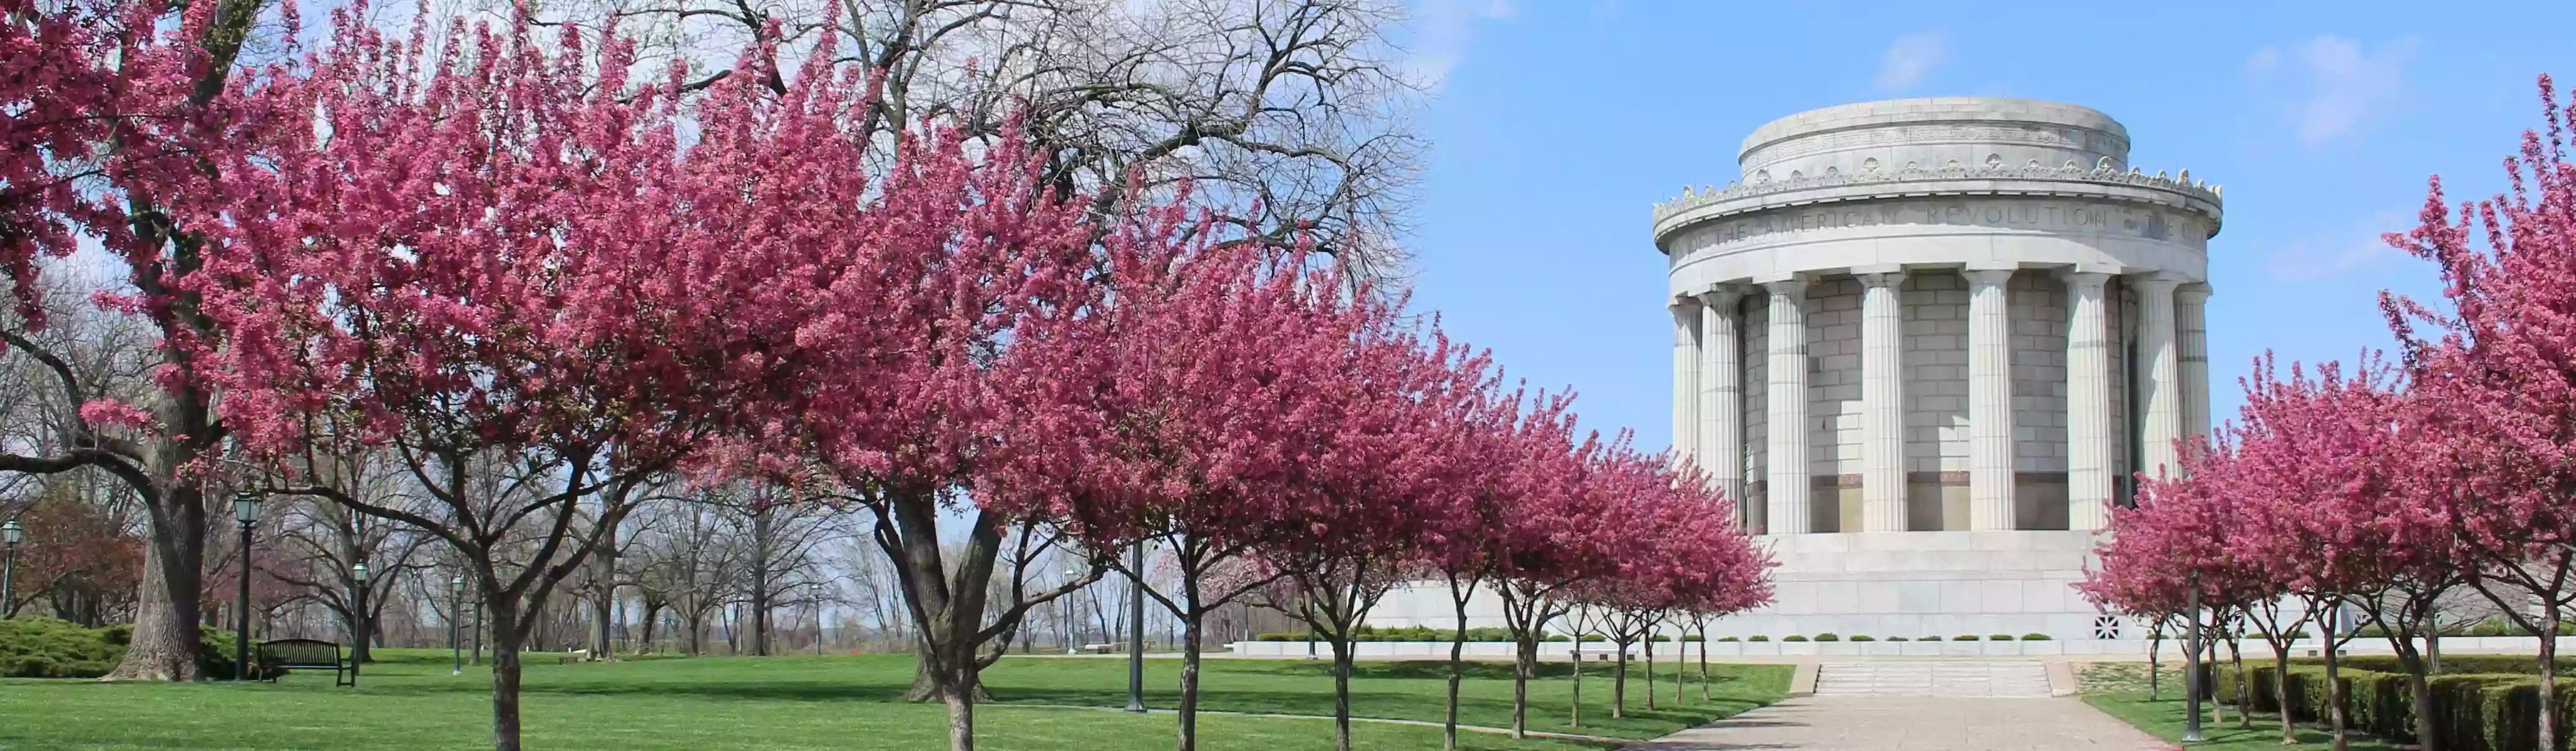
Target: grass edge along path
[(849, 703)]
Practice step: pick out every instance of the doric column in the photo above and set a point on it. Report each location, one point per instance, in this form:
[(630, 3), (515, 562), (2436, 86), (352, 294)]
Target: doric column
[(1721, 393), (1786, 479), (2191, 336), (2088, 403), (1685, 376), (1882, 401), (2161, 383), (1990, 404)]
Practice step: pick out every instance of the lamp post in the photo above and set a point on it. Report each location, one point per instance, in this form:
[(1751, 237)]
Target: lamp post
[(1071, 642), (246, 506), (1136, 630), (9, 534), (456, 623), (358, 614)]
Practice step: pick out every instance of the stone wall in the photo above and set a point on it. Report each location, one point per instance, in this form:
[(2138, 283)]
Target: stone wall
[(2039, 320), (1936, 399), (1833, 403)]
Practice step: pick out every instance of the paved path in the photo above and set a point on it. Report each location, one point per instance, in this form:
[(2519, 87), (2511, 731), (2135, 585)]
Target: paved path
[(1915, 723), (2019, 678)]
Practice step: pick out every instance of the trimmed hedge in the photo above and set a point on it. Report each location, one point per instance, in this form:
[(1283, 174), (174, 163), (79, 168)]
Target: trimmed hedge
[(1829, 636), (1793, 637), (1862, 637), (52, 648), (2472, 711)]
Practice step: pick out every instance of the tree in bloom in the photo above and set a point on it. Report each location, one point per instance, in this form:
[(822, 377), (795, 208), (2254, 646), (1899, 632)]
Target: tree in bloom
[(2322, 481), (1180, 409), (481, 255), (1555, 541), (2495, 369), (122, 115)]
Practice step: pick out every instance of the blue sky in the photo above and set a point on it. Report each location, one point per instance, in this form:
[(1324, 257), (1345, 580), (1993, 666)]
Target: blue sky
[(1559, 122)]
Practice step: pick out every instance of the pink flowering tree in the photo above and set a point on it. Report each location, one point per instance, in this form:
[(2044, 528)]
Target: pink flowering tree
[(1557, 539), (1183, 409), (123, 116), (2495, 370)]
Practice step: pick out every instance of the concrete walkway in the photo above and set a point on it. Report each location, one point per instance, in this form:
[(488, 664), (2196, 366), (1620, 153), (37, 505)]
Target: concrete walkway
[(1915, 723)]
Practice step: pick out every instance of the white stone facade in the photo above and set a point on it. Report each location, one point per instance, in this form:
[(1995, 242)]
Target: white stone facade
[(1958, 326), (2001, 322)]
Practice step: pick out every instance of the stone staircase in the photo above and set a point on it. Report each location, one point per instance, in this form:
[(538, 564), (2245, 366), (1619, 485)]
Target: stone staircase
[(1933, 678)]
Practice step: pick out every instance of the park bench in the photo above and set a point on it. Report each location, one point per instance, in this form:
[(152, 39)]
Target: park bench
[(1102, 649), (307, 653)]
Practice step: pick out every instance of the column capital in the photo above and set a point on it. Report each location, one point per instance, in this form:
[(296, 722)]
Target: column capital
[(2156, 283), (1879, 275), (1683, 304), (1787, 284), (1995, 277), (1721, 294), (2192, 292), (2083, 277)]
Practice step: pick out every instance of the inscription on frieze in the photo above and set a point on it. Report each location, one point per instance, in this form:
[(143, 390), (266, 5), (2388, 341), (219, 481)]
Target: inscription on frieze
[(2068, 216)]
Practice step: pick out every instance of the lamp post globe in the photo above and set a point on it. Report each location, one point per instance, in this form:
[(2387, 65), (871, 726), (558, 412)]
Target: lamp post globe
[(246, 508), (357, 613)]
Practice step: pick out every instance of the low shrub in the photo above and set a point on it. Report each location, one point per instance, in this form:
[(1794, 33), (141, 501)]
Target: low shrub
[(1829, 636), (2034, 637), (1929, 638), (2000, 637), (1896, 638), (53, 648), (1757, 638), (1964, 637), (1694, 638), (1661, 638), (1793, 637), (1862, 637), (1730, 638)]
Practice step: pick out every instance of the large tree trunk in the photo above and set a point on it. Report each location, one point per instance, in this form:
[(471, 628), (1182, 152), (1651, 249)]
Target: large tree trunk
[(1650, 670), (1524, 667), (2334, 681), (165, 641), (1576, 719), (603, 567), (509, 636), (2244, 701), (2548, 730)]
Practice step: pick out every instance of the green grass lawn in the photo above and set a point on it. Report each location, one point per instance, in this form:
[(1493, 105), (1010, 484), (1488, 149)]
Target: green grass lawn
[(838, 702), (2120, 690)]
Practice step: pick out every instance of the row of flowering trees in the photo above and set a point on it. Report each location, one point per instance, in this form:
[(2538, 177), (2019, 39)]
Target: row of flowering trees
[(2381, 487), (489, 254)]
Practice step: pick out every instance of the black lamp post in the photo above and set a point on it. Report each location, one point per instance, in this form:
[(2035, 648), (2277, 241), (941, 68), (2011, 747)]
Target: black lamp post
[(9, 534), (456, 623), (246, 507), (358, 614)]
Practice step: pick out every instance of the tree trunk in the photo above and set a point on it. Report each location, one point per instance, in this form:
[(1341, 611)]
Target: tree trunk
[(2155, 663), (2419, 689), (1524, 667), (1191, 635), (1650, 670), (1619, 685), (165, 641), (1703, 664), (1457, 667), (2209, 661), (2548, 730), (1342, 690), (961, 718), (1681, 659), (2334, 681), (2281, 687)]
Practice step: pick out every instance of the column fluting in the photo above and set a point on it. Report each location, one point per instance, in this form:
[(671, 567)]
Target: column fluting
[(1786, 394), (2161, 376), (1882, 424), (1685, 377), (2191, 336), (2088, 403), (1721, 397), (1990, 404)]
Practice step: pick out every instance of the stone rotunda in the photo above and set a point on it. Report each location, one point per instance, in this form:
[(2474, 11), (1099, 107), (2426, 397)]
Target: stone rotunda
[(1925, 341)]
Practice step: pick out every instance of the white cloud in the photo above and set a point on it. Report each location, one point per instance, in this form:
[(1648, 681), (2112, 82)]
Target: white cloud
[(1441, 33), (1909, 58), (2333, 87), (2326, 255)]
